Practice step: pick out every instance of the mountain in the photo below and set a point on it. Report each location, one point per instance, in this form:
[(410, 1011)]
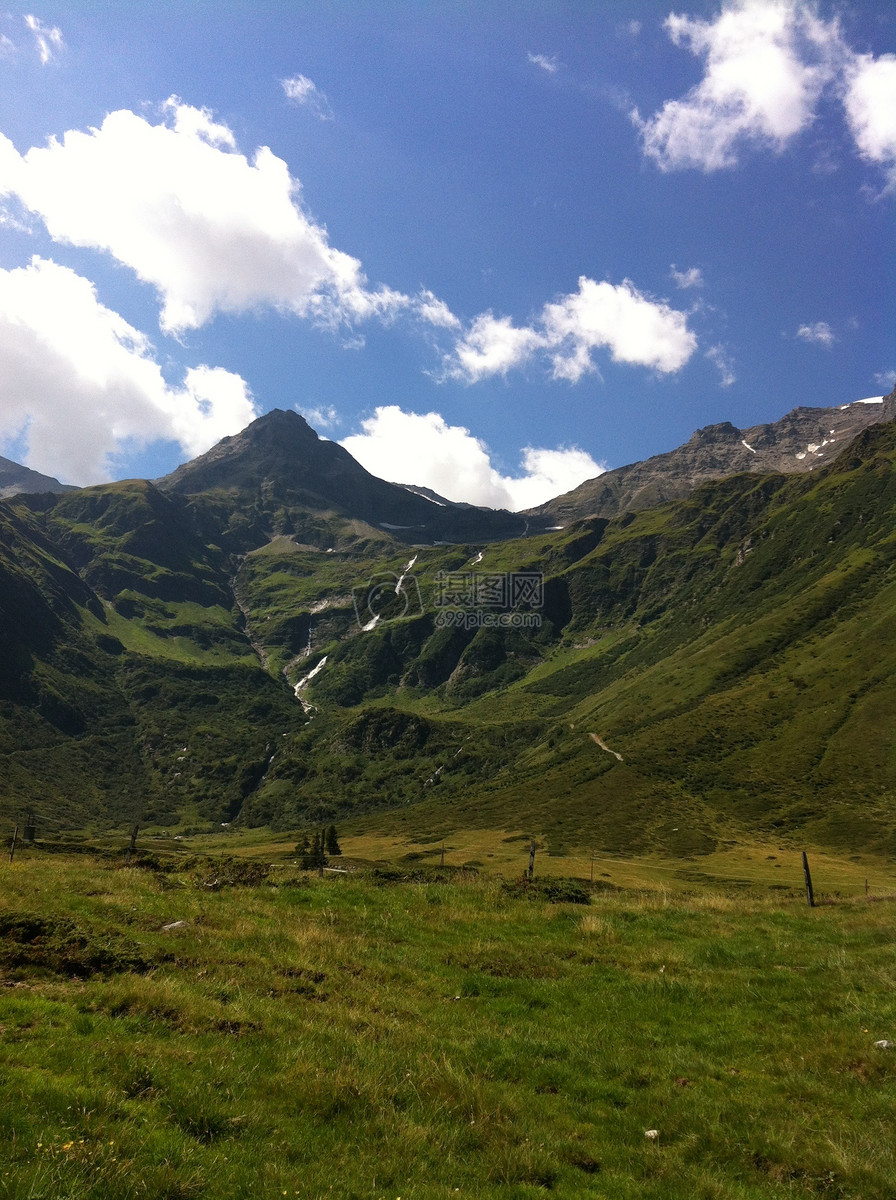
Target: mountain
[(14, 478), (247, 641), (281, 458), (800, 441)]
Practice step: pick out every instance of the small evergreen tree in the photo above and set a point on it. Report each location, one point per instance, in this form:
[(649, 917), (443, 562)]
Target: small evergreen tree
[(333, 846), (315, 856)]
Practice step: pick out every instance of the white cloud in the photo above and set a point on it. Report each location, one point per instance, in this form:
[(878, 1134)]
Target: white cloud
[(550, 473), (78, 381), (198, 123), (767, 65), (304, 91), (320, 418), (870, 103), (433, 311), (213, 231), (819, 332), (493, 346), (616, 317), (634, 328), (47, 38), (547, 62), (767, 62), (886, 380), (691, 278), (423, 449), (189, 214), (720, 358)]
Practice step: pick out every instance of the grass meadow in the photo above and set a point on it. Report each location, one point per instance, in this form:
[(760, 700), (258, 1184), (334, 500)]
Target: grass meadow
[(165, 1034)]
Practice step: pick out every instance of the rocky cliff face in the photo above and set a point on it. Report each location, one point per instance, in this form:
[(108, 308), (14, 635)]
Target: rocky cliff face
[(801, 441)]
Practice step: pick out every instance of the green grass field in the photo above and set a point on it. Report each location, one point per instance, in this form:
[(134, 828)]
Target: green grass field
[(354, 1036)]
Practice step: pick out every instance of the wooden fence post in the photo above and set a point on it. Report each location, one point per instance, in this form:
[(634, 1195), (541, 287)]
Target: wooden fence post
[(133, 845), (532, 859), (810, 895), (12, 849)]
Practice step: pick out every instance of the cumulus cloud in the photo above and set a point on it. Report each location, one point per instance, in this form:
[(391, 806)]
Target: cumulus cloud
[(870, 102), (766, 64), (617, 317), (493, 346), (547, 62), (886, 380), (819, 332), (214, 231), (211, 230), (423, 449), (78, 381), (47, 38), (301, 90)]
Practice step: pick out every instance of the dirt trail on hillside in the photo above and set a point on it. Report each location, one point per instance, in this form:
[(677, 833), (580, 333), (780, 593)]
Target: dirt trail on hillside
[(603, 745)]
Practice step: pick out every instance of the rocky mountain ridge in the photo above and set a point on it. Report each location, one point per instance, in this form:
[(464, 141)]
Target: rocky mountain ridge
[(800, 441)]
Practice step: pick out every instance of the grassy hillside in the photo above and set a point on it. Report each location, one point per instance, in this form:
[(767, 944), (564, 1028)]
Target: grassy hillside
[(714, 667), (726, 662), (366, 1038), (133, 691)]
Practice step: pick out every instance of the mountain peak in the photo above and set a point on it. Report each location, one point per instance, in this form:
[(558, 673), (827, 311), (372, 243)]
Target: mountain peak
[(279, 423), (280, 461), (724, 431), (282, 418)]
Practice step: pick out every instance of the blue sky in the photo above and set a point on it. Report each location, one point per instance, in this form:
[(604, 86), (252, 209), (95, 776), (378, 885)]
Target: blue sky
[(491, 247)]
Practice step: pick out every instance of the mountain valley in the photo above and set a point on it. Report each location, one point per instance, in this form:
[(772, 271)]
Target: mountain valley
[(270, 636)]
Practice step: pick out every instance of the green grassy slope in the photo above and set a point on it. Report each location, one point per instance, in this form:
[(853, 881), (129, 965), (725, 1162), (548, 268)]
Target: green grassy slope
[(736, 649), (355, 1038), (132, 692), (717, 664)]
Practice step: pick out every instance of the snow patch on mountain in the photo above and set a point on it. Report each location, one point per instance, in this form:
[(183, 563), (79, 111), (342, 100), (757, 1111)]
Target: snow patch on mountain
[(303, 684)]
